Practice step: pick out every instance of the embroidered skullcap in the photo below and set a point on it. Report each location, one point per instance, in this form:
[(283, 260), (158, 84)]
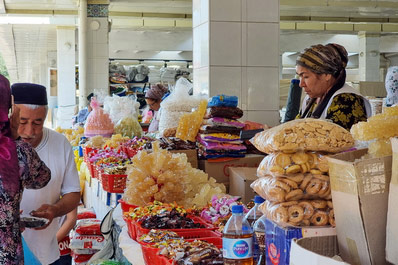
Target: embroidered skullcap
[(28, 93), (324, 59)]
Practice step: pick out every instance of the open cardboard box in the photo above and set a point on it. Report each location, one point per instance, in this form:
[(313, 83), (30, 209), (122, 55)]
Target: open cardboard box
[(240, 179), (315, 251), (392, 215), (360, 195), (219, 170)]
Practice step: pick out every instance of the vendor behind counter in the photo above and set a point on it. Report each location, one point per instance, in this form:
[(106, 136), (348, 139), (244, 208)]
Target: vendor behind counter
[(322, 73)]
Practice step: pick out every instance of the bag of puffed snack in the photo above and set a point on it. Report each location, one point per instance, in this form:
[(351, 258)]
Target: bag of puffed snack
[(304, 135), (293, 187), (281, 164)]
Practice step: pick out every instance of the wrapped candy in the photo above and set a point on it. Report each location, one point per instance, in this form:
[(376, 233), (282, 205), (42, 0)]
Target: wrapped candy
[(98, 122)]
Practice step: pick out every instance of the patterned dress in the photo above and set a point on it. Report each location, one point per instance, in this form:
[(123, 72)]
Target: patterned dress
[(33, 174), (346, 110)]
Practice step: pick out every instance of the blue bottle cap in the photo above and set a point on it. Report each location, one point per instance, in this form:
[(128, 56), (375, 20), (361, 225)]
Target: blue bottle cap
[(258, 199), (80, 151), (295, 81), (237, 209)]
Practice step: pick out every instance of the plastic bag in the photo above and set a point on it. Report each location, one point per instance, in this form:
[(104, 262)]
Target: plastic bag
[(293, 188), (281, 164), (84, 213), (88, 227), (129, 126), (300, 213), (121, 107), (98, 122), (86, 241), (304, 135), (223, 101)]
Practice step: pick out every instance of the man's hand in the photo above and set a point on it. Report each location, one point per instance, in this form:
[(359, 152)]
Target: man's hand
[(46, 211)]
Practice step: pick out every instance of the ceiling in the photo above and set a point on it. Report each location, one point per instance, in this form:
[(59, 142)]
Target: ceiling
[(26, 43)]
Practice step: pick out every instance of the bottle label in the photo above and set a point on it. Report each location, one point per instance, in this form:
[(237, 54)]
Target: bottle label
[(237, 248)]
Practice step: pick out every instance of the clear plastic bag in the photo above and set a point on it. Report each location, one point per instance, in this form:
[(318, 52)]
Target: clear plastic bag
[(292, 188), (281, 164), (300, 213), (98, 122), (129, 126), (121, 107), (304, 135)]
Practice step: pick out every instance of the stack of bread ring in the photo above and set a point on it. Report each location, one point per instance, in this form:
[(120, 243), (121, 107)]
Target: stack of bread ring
[(296, 187)]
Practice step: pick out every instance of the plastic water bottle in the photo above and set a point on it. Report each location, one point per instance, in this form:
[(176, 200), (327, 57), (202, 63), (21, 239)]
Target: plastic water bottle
[(252, 217), (237, 240), (259, 234), (254, 212)]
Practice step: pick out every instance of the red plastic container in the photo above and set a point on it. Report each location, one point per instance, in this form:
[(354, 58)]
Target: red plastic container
[(131, 229), (113, 183), (126, 206), (150, 254), (131, 152), (140, 230), (188, 235)]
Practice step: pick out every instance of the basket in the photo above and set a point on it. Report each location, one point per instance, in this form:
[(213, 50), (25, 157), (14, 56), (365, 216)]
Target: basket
[(113, 183), (150, 254), (96, 171), (131, 229), (141, 231), (126, 206), (91, 169), (198, 234), (131, 152)]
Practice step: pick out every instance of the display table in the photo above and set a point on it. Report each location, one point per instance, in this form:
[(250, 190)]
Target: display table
[(128, 248)]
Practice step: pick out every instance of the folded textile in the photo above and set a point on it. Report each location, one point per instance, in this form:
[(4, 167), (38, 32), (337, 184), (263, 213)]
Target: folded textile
[(221, 146), (226, 112), (220, 137), (219, 121), (208, 129)]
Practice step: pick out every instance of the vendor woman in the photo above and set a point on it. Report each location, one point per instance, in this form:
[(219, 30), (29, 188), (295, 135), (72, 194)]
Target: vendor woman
[(153, 97), (321, 69)]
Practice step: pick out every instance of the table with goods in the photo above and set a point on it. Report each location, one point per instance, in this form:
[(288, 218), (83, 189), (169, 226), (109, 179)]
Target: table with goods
[(170, 212)]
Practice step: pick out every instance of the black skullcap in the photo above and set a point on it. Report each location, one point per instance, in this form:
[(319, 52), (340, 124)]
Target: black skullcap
[(27, 93), (90, 96)]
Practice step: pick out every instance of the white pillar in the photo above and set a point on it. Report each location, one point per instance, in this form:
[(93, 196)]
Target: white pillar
[(369, 56), (66, 86), (236, 52), (82, 54), (98, 54)]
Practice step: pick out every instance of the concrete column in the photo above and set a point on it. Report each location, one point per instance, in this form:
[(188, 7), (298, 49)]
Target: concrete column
[(66, 86), (236, 52), (369, 56), (98, 54), (82, 54)]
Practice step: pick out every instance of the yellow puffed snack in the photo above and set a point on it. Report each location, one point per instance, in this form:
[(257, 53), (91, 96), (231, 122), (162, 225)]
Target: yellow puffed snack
[(304, 135)]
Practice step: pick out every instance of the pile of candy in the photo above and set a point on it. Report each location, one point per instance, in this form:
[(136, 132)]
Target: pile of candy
[(154, 208), (219, 210), (157, 236), (196, 252), (172, 143), (169, 220)]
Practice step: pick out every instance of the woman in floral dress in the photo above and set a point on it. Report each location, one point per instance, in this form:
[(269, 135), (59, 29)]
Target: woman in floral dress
[(20, 167), (322, 73)]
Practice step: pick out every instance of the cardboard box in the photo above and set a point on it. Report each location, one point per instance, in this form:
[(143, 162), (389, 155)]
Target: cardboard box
[(219, 170), (192, 156), (392, 214), (240, 179), (360, 196), (315, 251), (278, 240)]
